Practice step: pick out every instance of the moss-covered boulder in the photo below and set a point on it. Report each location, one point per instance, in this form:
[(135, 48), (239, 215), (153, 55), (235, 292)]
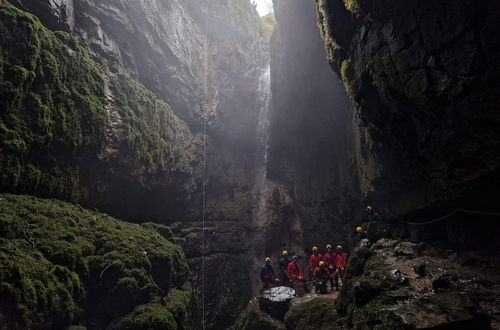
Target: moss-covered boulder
[(62, 265), (253, 318), (316, 314)]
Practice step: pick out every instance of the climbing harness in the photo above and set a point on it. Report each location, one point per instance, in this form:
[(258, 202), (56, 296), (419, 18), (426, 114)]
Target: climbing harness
[(427, 222)]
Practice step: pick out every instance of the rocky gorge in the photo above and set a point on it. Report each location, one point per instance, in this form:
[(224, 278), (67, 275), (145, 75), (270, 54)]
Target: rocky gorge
[(219, 137)]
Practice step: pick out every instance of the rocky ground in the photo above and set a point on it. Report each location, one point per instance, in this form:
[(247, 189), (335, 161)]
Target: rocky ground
[(395, 285), (434, 275)]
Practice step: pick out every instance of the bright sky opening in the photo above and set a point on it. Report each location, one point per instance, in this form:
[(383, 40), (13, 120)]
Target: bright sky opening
[(264, 7)]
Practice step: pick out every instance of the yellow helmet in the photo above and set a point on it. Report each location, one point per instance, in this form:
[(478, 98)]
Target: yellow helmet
[(284, 253), (339, 247), (268, 259), (329, 246), (321, 263), (369, 208), (359, 229), (315, 248)]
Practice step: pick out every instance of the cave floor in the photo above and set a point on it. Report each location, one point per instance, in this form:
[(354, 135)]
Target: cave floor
[(471, 273)]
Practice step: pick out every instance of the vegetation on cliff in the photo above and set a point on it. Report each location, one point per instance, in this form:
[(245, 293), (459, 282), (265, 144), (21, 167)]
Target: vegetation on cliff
[(62, 265), (63, 115)]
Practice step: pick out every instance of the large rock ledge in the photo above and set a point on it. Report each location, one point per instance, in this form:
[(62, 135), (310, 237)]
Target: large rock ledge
[(62, 265)]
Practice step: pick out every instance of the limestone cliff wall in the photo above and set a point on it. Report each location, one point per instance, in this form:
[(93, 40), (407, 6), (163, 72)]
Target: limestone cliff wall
[(424, 77)]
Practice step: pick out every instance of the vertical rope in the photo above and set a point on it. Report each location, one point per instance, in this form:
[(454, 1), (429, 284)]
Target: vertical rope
[(205, 116)]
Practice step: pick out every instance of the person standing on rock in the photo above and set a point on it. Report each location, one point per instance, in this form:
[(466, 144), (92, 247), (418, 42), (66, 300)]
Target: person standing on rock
[(284, 261), (314, 260), (330, 258), (267, 275), (371, 215), (340, 264), (361, 234), (321, 277)]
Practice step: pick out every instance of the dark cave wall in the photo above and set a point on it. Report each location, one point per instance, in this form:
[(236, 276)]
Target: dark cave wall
[(424, 76), (311, 149)]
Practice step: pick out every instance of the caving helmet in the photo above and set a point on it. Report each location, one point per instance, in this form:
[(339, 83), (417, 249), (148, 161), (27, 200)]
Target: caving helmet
[(329, 246), (315, 249), (369, 208), (321, 263), (268, 259), (284, 253), (294, 258), (339, 247), (359, 229)]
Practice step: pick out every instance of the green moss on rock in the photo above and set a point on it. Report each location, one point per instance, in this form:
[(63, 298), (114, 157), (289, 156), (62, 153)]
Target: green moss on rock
[(316, 314), (63, 265), (62, 115), (52, 98), (252, 318)]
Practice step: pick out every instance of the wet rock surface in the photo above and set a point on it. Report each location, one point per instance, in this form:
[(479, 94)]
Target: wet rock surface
[(418, 290), (227, 277), (276, 301), (424, 78)]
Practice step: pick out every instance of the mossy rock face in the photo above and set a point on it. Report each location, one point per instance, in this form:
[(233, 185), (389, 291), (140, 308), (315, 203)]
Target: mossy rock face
[(253, 318), (317, 314), (71, 129), (63, 265)]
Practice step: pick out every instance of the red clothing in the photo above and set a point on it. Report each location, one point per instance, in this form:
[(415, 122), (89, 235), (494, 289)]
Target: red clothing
[(321, 274), (330, 258), (293, 271), (341, 260), (314, 260)]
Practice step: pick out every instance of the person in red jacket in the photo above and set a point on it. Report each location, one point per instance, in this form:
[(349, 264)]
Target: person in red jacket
[(314, 259), (340, 264), (321, 277), (293, 271), (294, 274), (330, 259)]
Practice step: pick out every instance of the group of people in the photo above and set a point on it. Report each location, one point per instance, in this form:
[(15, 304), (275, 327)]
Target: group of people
[(324, 268)]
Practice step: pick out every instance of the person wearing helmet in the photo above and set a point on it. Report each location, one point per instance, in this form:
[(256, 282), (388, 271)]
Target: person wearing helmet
[(360, 234), (314, 260), (371, 215), (330, 258), (267, 274), (294, 274), (340, 265), (284, 261), (320, 277)]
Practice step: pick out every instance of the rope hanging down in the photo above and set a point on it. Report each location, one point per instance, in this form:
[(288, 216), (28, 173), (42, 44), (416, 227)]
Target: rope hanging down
[(204, 114), (444, 217)]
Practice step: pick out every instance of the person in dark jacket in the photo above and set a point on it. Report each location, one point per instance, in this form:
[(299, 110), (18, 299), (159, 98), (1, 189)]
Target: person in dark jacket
[(371, 215), (361, 234), (284, 261), (321, 277), (267, 275)]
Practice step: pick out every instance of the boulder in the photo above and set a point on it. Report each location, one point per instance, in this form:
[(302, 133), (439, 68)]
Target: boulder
[(276, 301)]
